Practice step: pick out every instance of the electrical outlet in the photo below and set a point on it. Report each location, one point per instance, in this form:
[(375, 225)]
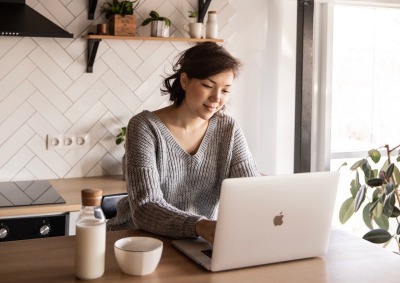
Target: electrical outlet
[(67, 141)]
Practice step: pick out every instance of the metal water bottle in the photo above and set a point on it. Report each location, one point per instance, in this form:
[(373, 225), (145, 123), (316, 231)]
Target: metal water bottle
[(90, 240)]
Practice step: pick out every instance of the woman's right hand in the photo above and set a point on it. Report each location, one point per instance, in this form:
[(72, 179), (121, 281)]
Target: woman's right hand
[(206, 229)]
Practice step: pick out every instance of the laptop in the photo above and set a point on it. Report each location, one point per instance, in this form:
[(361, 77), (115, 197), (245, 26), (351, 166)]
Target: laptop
[(268, 219)]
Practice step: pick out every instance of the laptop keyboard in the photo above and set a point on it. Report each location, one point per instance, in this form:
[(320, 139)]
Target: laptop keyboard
[(207, 252)]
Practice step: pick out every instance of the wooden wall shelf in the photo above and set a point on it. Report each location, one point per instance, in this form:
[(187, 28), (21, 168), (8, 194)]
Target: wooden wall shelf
[(94, 41), (183, 39)]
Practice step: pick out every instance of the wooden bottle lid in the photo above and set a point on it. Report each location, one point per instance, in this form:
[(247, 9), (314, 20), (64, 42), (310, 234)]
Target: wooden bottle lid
[(91, 197)]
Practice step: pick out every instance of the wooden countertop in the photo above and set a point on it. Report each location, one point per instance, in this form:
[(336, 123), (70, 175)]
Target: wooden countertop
[(69, 189), (349, 259)]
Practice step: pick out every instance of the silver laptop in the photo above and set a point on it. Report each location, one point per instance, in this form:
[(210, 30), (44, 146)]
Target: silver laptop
[(268, 219)]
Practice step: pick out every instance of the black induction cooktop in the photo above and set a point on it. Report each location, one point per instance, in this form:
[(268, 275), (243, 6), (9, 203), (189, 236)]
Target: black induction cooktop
[(21, 193)]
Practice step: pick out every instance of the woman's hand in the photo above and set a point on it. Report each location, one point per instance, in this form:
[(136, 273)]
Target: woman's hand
[(206, 229)]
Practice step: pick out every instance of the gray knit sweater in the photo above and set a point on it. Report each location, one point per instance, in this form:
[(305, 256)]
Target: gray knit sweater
[(169, 190)]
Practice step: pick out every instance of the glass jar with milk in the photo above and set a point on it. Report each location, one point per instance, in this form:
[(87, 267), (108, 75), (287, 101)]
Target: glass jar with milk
[(90, 240)]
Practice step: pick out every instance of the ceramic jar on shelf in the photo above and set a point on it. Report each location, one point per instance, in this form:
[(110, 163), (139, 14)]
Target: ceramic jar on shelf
[(212, 25)]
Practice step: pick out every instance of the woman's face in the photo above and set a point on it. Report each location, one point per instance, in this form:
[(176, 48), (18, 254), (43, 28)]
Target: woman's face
[(205, 97)]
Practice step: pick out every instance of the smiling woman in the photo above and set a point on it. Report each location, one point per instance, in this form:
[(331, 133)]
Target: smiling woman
[(205, 97), (204, 61), (178, 156)]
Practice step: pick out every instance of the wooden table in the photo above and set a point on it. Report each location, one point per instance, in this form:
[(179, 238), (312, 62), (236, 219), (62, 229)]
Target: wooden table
[(349, 259)]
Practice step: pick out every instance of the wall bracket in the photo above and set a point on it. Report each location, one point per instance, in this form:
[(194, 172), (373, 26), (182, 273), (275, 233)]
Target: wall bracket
[(93, 45), (92, 9)]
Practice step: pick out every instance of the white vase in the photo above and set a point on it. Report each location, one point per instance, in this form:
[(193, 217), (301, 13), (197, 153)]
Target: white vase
[(212, 25)]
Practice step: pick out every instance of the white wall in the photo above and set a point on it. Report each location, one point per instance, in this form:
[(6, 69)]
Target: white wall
[(44, 87), (266, 88)]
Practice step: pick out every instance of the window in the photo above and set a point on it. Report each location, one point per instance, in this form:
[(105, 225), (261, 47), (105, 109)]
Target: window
[(365, 80), (357, 83)]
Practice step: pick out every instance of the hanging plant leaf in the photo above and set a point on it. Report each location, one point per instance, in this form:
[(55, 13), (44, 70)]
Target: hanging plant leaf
[(398, 229), (358, 185), (357, 164), (377, 236), (343, 164), (360, 197), (382, 197), (154, 14), (395, 213), (389, 188), (147, 21), (373, 205), (366, 169), (354, 187), (121, 136), (385, 166), (375, 182), (375, 155), (367, 216), (376, 194), (346, 210), (388, 205), (377, 212), (382, 221), (389, 171), (396, 174), (167, 21)]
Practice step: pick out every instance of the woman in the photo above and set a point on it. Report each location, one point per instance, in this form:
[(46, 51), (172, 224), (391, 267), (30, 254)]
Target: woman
[(178, 156)]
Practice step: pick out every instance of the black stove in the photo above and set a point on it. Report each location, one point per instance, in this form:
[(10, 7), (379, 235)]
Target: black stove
[(22, 227), (28, 193)]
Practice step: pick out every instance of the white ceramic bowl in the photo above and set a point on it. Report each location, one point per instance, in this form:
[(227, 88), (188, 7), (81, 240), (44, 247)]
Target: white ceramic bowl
[(138, 255)]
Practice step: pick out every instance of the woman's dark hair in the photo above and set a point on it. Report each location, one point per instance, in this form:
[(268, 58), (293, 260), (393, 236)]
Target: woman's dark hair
[(200, 62)]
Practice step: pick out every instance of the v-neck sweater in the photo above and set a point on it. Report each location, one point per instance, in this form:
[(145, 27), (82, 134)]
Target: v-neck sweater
[(170, 190)]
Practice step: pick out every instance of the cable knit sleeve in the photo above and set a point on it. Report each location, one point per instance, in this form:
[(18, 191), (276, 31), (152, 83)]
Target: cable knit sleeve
[(243, 163)]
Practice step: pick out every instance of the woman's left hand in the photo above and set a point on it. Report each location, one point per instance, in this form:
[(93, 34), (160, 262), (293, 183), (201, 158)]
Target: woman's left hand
[(206, 229)]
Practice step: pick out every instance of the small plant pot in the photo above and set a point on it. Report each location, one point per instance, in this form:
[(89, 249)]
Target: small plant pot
[(122, 25), (159, 29)]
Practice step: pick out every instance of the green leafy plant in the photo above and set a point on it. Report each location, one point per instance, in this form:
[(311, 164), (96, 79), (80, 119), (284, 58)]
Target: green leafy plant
[(116, 7), (378, 191), (193, 14), (154, 16), (121, 136)]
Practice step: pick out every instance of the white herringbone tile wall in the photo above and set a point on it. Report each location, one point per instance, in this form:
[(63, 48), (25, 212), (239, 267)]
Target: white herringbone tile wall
[(44, 88)]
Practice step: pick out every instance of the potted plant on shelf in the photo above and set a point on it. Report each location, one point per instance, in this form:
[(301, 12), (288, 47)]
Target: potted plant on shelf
[(159, 25), (379, 191), (193, 16), (120, 138), (120, 17)]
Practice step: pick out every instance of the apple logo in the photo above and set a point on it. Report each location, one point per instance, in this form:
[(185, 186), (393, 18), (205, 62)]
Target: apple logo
[(278, 219)]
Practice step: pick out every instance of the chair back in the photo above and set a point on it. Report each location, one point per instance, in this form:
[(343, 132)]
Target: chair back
[(109, 204)]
